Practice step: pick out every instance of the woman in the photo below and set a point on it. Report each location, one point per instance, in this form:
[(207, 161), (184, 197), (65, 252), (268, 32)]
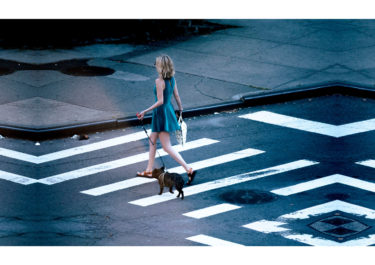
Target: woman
[(163, 117)]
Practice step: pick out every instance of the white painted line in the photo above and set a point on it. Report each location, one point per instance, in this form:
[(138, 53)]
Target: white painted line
[(313, 241), (73, 151), (125, 184), (317, 241), (197, 165), (212, 210), (219, 160), (321, 182), (291, 122), (212, 241), (267, 226), (16, 178), (367, 163), (357, 127), (328, 207), (74, 174), (93, 147), (225, 182), (311, 126), (363, 241), (18, 155)]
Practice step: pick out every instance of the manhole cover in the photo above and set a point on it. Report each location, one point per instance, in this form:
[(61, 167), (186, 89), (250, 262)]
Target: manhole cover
[(88, 71), (5, 71), (248, 196), (339, 226)]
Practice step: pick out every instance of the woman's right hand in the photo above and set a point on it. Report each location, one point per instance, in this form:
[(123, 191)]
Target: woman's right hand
[(140, 115)]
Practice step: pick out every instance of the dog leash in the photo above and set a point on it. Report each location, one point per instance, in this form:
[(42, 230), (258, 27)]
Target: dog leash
[(153, 144)]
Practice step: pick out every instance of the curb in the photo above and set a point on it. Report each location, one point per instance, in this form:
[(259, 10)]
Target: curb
[(246, 101)]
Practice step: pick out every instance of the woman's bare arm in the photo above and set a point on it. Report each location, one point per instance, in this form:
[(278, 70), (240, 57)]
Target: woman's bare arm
[(159, 93), (177, 96)]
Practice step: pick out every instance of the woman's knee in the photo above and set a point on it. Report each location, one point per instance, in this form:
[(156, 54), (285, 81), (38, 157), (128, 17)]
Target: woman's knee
[(167, 148)]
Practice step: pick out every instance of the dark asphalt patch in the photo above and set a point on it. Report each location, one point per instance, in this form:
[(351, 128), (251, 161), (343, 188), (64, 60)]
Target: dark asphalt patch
[(88, 71), (248, 196), (337, 196), (6, 71), (46, 229)]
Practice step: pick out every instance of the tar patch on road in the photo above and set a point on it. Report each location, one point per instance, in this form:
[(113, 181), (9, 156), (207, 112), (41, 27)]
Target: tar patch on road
[(88, 71), (337, 196), (46, 229), (248, 196)]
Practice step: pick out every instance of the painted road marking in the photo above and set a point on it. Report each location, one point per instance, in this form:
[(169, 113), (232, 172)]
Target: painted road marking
[(121, 185), (367, 163), (197, 165), (317, 241), (212, 241), (16, 178), (73, 151), (225, 182), (82, 172), (328, 207), (212, 210), (311, 126), (267, 226), (321, 182)]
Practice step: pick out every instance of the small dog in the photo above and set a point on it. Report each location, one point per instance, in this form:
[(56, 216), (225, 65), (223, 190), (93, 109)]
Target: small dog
[(169, 180)]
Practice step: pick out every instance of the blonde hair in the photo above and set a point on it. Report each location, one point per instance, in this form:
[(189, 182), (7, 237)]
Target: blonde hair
[(166, 66)]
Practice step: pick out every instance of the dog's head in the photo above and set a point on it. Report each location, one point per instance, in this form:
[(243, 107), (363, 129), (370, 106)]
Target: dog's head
[(157, 172)]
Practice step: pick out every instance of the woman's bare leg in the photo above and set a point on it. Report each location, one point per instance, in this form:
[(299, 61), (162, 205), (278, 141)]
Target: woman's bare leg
[(166, 143), (151, 156)]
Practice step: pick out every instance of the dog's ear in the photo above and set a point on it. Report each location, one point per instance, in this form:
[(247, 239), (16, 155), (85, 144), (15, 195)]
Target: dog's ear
[(162, 169)]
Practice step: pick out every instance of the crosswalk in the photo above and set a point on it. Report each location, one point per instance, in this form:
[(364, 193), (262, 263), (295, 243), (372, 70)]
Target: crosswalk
[(221, 181), (226, 182), (197, 165)]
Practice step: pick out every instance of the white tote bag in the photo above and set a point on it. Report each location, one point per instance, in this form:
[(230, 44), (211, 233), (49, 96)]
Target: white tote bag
[(181, 134)]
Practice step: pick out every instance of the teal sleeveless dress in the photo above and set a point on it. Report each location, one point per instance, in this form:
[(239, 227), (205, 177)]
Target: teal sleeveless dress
[(163, 117)]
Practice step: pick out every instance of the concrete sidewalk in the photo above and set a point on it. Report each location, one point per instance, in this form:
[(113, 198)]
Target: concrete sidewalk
[(256, 58)]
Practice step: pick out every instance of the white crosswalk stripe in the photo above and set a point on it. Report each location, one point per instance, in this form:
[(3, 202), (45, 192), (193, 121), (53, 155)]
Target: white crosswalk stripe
[(328, 207), (74, 174), (311, 126), (196, 165), (267, 226), (16, 178), (225, 182), (321, 182), (212, 241), (367, 163), (73, 151), (212, 210)]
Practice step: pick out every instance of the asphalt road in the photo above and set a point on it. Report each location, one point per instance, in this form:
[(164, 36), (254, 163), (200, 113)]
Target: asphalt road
[(68, 192)]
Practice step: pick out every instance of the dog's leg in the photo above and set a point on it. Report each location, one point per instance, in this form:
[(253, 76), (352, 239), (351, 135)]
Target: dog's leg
[(171, 189), (161, 189), (182, 192)]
